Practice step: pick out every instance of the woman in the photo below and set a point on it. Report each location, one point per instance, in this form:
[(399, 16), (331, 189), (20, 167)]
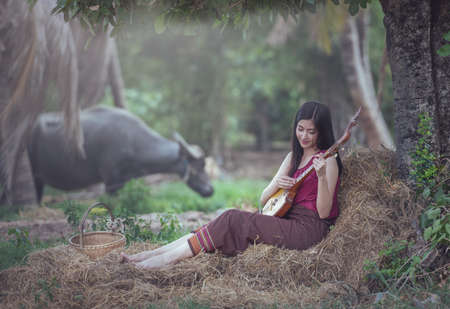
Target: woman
[(305, 224)]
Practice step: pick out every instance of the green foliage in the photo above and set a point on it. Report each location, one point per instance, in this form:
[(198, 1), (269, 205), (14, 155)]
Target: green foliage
[(444, 51), (431, 189), (430, 297), (424, 160), (15, 250), (44, 293), (21, 237), (178, 197), (171, 229), (395, 265), (164, 13), (137, 229), (435, 220), (73, 211), (133, 198), (137, 198)]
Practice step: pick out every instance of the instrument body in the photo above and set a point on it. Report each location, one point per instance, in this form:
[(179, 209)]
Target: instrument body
[(281, 201)]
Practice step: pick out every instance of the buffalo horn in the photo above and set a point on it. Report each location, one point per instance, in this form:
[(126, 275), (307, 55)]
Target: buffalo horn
[(194, 150)]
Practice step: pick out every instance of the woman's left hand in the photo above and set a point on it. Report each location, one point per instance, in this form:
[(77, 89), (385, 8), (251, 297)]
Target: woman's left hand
[(320, 165)]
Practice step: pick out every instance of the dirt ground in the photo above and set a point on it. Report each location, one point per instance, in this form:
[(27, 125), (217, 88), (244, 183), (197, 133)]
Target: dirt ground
[(46, 223)]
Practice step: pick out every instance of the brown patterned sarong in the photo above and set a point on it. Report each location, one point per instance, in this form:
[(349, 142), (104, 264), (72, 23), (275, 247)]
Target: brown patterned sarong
[(234, 230), (201, 241)]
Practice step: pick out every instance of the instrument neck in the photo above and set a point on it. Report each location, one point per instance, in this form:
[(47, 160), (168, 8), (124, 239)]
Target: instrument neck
[(305, 173)]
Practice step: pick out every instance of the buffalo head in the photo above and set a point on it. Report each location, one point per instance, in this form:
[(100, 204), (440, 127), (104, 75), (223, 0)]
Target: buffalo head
[(194, 173)]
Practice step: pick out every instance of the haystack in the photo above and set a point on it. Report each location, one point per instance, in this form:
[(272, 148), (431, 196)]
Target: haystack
[(375, 208)]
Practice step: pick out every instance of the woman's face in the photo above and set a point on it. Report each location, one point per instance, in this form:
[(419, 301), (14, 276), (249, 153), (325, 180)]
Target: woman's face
[(307, 134)]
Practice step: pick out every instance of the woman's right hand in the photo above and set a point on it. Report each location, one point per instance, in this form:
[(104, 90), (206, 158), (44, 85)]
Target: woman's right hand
[(285, 182)]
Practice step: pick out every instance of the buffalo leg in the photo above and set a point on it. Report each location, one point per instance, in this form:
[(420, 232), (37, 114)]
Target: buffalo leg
[(112, 188), (39, 185)]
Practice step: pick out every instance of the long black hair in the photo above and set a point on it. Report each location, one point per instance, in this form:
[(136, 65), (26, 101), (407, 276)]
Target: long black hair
[(320, 115)]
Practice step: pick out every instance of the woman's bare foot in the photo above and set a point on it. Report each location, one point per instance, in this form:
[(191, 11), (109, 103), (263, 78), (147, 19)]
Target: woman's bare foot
[(171, 257), (125, 258), (139, 257), (155, 262)]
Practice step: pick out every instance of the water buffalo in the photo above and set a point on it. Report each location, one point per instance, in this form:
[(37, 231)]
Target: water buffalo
[(118, 147)]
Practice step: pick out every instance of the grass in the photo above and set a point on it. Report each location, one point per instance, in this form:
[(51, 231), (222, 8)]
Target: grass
[(173, 197), (176, 197), (15, 251), (9, 213), (134, 198)]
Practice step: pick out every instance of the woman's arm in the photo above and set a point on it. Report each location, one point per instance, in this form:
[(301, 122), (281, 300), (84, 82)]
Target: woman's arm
[(327, 174), (280, 180)]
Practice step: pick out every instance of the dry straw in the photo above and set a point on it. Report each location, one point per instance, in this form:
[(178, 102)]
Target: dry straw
[(374, 209)]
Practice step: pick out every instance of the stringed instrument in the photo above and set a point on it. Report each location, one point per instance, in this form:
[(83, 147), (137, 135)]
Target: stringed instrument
[(281, 201)]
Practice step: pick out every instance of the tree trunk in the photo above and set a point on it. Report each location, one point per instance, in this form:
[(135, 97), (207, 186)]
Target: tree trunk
[(382, 77), (115, 77), (281, 30), (421, 78), (358, 74), (262, 115), (93, 61), (333, 90), (219, 115), (98, 65)]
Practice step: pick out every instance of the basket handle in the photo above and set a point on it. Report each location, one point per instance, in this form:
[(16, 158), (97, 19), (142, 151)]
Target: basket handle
[(81, 226)]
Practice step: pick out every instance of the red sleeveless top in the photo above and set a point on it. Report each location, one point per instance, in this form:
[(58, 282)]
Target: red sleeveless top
[(307, 192)]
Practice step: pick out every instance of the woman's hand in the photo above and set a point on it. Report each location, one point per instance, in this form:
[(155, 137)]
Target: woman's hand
[(320, 165), (285, 182)]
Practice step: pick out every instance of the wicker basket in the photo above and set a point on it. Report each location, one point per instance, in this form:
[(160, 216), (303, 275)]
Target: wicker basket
[(96, 244)]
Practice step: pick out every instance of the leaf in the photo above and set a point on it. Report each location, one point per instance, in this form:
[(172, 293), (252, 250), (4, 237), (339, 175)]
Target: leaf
[(246, 21), (66, 15), (88, 23), (444, 51), (447, 228), (437, 225), (56, 10), (427, 233), (433, 213), (423, 220), (13, 231), (447, 36), (441, 198), (160, 24), (353, 8), (426, 193)]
